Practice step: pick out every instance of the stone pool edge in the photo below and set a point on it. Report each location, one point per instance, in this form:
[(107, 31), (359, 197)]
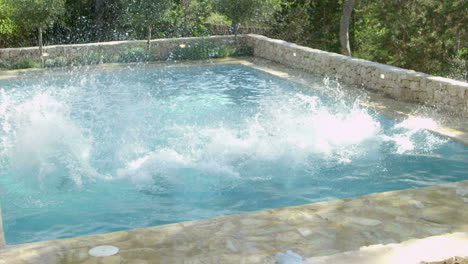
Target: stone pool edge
[(312, 230)]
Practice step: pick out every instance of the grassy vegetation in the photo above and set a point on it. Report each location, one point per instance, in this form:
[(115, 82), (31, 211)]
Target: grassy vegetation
[(206, 50), (199, 51), (26, 64)]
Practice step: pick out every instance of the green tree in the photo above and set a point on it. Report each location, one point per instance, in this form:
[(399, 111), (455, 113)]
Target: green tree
[(147, 13), (7, 26), (314, 23), (344, 27), (423, 35), (37, 14), (109, 19), (241, 11)]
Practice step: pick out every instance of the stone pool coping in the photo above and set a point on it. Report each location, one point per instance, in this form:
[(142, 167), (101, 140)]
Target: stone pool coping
[(312, 230)]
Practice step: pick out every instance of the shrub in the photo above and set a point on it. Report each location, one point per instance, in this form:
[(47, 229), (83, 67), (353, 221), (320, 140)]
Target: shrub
[(26, 63), (206, 50), (137, 54), (244, 51), (96, 57), (57, 62), (4, 65)]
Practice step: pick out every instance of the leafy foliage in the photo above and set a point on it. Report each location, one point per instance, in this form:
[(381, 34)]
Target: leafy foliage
[(56, 62), (137, 54), (245, 11), (206, 50), (6, 24), (308, 22), (424, 35), (5, 65), (26, 63), (146, 14), (36, 13)]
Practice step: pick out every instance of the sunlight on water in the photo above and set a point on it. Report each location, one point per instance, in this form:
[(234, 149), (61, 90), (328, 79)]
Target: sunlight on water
[(138, 148)]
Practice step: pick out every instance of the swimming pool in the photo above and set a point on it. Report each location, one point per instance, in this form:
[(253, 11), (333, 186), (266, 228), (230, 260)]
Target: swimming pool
[(113, 150)]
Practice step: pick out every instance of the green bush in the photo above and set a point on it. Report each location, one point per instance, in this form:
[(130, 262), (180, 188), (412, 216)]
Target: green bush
[(57, 62), (92, 58), (26, 63), (244, 51), (4, 65), (137, 54), (205, 50), (96, 57)]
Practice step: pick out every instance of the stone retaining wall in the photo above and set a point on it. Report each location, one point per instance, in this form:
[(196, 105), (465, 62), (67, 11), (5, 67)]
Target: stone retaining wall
[(401, 84), (160, 48)]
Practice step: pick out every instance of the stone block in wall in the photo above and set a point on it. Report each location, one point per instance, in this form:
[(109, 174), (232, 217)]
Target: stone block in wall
[(14, 55), (5, 54), (453, 90), (54, 51), (414, 85)]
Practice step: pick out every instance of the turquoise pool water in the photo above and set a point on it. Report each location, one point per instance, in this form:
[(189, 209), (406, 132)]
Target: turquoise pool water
[(94, 152)]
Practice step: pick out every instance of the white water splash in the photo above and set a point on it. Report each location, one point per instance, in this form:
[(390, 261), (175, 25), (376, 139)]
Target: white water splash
[(44, 140), (40, 135), (406, 131), (289, 134)]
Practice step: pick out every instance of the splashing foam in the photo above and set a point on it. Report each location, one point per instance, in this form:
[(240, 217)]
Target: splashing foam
[(407, 131), (41, 138), (289, 133), (39, 135)]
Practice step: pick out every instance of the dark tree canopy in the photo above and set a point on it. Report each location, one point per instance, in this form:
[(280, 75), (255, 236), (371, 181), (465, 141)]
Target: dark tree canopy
[(424, 35), (241, 11), (36, 13)]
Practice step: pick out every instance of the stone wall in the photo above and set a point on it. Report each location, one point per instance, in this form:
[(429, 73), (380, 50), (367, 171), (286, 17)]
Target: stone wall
[(401, 84), (160, 48)]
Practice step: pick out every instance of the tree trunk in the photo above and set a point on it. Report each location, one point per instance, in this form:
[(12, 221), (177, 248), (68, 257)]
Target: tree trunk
[(235, 28), (149, 38), (344, 27), (41, 54), (98, 16)]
